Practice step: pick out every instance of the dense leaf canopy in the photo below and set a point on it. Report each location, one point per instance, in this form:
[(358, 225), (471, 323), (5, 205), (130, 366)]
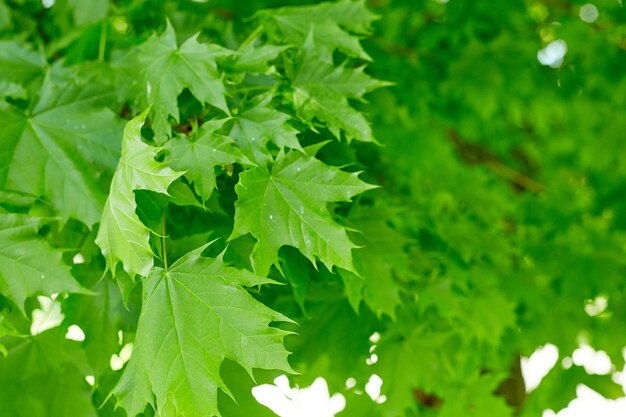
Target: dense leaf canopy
[(422, 190)]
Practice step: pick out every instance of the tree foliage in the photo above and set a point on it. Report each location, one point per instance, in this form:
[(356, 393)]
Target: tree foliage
[(242, 189)]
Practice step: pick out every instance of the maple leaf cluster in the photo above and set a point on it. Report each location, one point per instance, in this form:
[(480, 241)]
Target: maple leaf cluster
[(227, 137), (217, 193)]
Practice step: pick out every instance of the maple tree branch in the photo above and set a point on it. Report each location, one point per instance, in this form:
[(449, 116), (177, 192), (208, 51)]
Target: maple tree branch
[(516, 177), (513, 388), (477, 155)]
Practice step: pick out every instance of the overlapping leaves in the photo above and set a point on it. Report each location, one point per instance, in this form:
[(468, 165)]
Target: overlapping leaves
[(43, 376), (167, 69), (331, 24), (28, 264), (287, 205), (196, 314), (222, 142), (378, 282), (122, 236), (259, 124), (198, 156), (63, 148), (321, 91)]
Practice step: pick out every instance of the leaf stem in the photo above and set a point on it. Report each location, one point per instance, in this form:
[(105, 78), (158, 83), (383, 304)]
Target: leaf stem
[(163, 237), (251, 38), (103, 41), (251, 88), (447, 365)]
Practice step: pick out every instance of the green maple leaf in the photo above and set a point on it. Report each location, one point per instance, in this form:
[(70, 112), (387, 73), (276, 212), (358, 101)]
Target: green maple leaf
[(19, 64), (379, 260), (5, 16), (89, 11), (28, 264), (287, 205), (481, 315), (254, 127), (558, 388), (256, 59), (194, 315), (168, 69), (319, 351), (44, 376), (13, 90), (489, 314), (401, 372), (101, 337), (240, 384), (199, 156), (321, 90), (6, 330), (63, 149), (476, 398), (331, 22), (122, 237)]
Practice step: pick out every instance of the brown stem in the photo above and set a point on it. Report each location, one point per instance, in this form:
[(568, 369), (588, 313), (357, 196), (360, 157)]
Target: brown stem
[(477, 155), (513, 389)]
